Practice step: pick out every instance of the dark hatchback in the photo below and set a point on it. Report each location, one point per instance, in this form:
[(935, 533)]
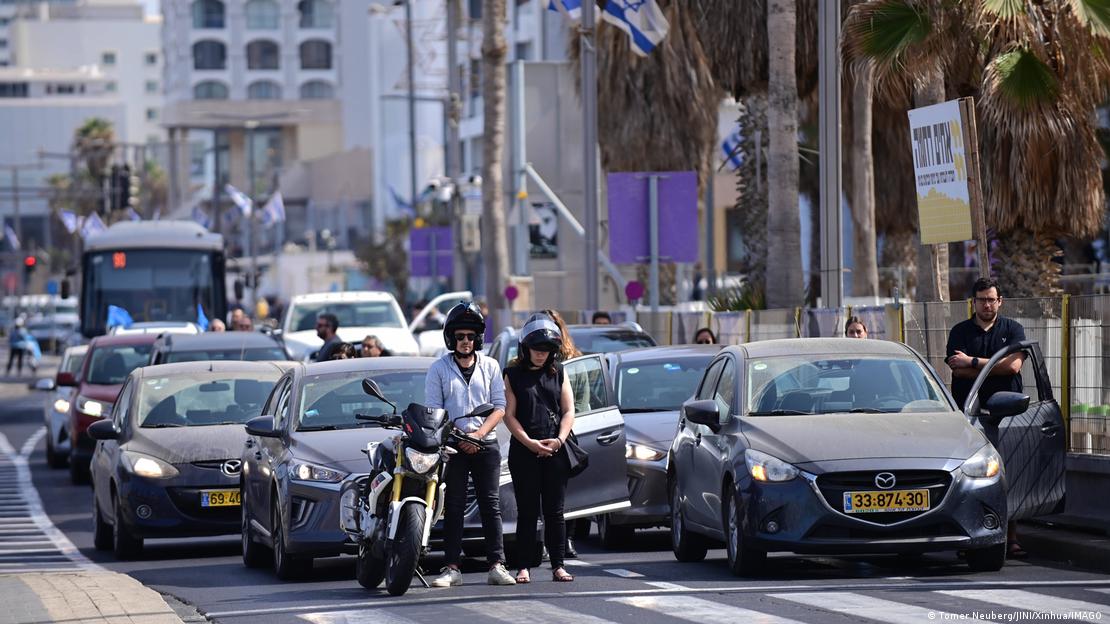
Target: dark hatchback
[(246, 346), (167, 461)]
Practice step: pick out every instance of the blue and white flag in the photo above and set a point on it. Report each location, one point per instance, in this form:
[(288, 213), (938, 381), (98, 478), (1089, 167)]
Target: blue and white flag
[(571, 9), (274, 210), (120, 317), (92, 225), (69, 220), (642, 19), (240, 199), (730, 148), (202, 319), (13, 240), (201, 217), (131, 214), (399, 203)]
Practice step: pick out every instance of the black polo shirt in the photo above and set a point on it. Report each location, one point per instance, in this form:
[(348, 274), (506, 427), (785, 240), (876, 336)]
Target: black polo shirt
[(968, 337)]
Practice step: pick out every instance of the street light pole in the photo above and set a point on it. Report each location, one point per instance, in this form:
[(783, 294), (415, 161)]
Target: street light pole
[(251, 125), (589, 145), (412, 102)]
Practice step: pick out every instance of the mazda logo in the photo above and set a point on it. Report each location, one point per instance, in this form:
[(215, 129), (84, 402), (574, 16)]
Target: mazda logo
[(884, 480), (231, 467)]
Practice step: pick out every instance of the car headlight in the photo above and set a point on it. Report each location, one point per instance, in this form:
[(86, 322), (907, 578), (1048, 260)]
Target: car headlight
[(984, 464), (421, 462), (643, 453), (312, 472), (61, 406), (92, 407), (150, 467), (768, 468)]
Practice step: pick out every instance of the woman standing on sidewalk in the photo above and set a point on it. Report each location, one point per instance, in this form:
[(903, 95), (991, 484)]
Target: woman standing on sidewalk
[(539, 413)]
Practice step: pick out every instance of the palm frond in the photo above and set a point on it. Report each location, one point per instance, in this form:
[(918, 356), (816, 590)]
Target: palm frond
[(890, 28), (1004, 9), (1024, 78), (1093, 14)]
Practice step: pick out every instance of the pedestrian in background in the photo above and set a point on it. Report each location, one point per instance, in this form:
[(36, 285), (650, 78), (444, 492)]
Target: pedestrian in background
[(216, 325), (601, 317), (854, 328), (539, 413), (243, 323), (21, 344), (326, 326), (705, 336), (372, 347), (345, 351)]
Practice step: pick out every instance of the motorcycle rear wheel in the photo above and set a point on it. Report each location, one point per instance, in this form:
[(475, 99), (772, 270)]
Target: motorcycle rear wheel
[(405, 550)]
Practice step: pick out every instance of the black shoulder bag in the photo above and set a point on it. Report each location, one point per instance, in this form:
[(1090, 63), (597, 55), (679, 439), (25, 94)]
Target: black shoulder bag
[(577, 457)]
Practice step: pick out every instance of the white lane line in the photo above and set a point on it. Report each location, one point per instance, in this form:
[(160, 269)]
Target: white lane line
[(858, 606), (29, 445), (1028, 601), (531, 612), (1102, 591), (667, 586), (624, 573), (700, 610), (365, 616), (577, 562)]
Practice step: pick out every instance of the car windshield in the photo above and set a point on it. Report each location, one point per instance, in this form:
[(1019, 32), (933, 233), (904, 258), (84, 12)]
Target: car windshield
[(331, 401), (610, 341), (72, 364), (246, 355), (112, 365), (832, 384), (658, 385), (204, 398), (349, 313)]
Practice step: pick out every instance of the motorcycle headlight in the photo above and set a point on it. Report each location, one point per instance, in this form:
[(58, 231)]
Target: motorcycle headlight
[(92, 407), (146, 466), (643, 453), (421, 462), (312, 472), (984, 464), (768, 468)]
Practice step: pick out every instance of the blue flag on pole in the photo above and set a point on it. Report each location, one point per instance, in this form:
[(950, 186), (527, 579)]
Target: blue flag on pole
[(202, 320), (119, 317), (69, 220), (572, 9), (643, 20), (730, 148)]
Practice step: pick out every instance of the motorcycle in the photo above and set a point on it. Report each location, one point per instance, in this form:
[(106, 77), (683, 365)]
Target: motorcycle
[(390, 513)]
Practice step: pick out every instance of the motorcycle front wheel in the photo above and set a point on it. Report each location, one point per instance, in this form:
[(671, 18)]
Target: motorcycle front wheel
[(369, 570), (405, 550)]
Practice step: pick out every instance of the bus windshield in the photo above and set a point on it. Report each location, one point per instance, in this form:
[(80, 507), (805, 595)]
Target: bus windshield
[(150, 285)]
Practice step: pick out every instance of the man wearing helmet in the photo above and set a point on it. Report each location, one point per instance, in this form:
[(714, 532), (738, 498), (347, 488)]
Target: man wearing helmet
[(459, 382)]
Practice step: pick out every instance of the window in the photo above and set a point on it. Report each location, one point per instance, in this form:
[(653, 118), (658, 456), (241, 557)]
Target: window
[(262, 14), (209, 55), (110, 87), (317, 90), (208, 14), (151, 86), (67, 89), (150, 58), (123, 402), (151, 114), (315, 54), (108, 58), (210, 90), (587, 383), (264, 90), (709, 381), (316, 13), (262, 55), (726, 390)]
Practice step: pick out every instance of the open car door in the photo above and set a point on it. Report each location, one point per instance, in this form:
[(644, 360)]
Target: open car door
[(429, 333), (599, 426), (1032, 443)]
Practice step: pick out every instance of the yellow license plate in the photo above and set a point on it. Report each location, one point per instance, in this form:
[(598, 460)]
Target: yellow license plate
[(219, 498), (880, 501)]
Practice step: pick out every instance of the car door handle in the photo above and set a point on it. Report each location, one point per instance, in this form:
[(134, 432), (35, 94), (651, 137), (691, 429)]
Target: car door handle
[(1050, 429), (606, 439)]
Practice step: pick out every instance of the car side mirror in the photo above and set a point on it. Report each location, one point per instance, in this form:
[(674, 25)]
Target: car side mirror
[(65, 379), (1003, 404), (263, 427), (103, 430), (705, 412), (44, 384)]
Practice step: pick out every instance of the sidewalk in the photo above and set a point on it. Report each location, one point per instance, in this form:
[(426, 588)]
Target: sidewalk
[(82, 596), (1063, 539)]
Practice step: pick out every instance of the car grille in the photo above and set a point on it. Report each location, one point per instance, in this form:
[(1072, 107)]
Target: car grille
[(187, 501), (860, 533), (834, 485), (300, 511)]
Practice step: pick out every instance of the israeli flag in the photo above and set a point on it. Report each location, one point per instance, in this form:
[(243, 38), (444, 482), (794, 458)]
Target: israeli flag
[(399, 203), (69, 220), (202, 320), (274, 210), (571, 9), (730, 147), (119, 317), (642, 19), (239, 199), (92, 225), (13, 240), (202, 218)]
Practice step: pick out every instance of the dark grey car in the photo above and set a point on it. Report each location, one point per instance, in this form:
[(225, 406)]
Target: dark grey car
[(235, 345), (844, 446)]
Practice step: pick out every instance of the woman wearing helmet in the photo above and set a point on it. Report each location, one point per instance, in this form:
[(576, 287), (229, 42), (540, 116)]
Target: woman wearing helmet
[(540, 413)]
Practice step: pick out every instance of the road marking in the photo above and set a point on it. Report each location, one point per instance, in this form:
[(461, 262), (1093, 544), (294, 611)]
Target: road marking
[(531, 612), (666, 585), (624, 573), (700, 610), (1028, 601), (858, 606), (366, 616), (577, 562), (31, 442)]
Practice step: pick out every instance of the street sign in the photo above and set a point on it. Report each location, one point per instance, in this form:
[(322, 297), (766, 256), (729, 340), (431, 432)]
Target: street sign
[(634, 290), (431, 252), (511, 292), (52, 287), (629, 217), (940, 167)]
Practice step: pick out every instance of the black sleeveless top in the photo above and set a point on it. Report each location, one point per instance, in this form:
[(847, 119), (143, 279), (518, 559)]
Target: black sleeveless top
[(537, 399)]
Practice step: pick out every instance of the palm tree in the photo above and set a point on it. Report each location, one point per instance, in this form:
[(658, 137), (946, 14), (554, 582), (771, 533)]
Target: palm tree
[(93, 141), (1038, 71), (493, 197)]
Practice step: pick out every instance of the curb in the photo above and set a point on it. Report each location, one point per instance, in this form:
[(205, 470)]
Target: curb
[(1052, 542)]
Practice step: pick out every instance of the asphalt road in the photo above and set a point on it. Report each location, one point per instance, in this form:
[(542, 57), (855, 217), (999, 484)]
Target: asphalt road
[(641, 584)]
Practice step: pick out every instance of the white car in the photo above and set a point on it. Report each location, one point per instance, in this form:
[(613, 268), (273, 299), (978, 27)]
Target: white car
[(427, 326), (59, 392), (157, 327), (360, 314)]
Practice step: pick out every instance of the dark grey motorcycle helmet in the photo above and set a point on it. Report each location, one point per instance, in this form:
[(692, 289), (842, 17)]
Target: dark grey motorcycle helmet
[(541, 333), (465, 315)]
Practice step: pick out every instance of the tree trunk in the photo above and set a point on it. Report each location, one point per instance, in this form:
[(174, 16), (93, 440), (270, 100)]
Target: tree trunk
[(932, 260), (899, 257), (1028, 266), (751, 201), (784, 275), (865, 271), (493, 196)]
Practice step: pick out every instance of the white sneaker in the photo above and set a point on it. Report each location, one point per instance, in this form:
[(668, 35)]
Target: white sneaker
[(498, 575), (450, 577)]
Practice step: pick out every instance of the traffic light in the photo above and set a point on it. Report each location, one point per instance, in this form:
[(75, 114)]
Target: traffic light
[(114, 188), (133, 190), (124, 185), (29, 264)]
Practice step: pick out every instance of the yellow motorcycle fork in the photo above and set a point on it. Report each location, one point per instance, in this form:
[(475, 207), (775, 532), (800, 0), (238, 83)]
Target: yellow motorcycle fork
[(398, 479)]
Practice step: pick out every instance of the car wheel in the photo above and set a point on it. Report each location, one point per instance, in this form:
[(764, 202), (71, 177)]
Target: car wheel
[(286, 566), (742, 559), (687, 546), (124, 544), (54, 459), (254, 556), (102, 531), (612, 536), (989, 559), (78, 473)]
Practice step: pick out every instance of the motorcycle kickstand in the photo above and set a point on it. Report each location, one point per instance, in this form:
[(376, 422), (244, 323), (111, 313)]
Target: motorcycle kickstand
[(420, 575)]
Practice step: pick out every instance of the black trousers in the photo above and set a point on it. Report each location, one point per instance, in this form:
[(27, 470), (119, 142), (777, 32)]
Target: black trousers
[(540, 483), (484, 467), (13, 355)]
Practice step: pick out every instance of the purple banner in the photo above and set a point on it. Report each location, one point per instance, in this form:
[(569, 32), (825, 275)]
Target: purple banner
[(629, 225), (426, 244)]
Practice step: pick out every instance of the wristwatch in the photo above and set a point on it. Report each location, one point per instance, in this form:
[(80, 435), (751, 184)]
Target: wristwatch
[(975, 362)]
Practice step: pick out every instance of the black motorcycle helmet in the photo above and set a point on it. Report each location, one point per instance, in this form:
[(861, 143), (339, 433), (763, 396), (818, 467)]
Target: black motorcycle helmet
[(465, 315), (540, 333)]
